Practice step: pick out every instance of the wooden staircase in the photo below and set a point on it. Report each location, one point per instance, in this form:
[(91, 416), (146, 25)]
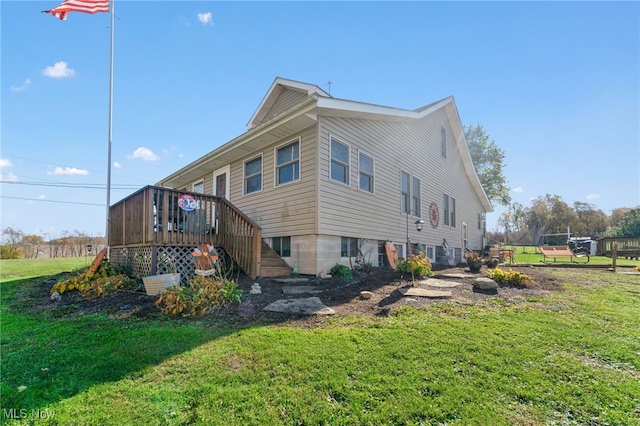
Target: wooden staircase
[(272, 265)]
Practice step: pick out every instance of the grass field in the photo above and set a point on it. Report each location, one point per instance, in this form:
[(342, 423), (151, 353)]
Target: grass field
[(569, 358), (11, 269), (530, 255)]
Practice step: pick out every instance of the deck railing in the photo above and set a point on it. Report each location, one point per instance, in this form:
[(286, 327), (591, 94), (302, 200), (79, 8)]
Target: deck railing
[(605, 244), (155, 216)]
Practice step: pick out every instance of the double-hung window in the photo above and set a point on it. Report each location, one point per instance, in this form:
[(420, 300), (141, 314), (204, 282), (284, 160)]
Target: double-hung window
[(253, 175), (449, 211), (365, 172), (288, 163), (339, 161), (405, 188), (415, 196)]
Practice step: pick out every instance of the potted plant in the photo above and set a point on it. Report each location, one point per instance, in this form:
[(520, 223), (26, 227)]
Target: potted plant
[(474, 262), (167, 277)]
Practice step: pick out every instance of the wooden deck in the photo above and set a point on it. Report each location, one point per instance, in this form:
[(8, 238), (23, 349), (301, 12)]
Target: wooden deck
[(160, 217)]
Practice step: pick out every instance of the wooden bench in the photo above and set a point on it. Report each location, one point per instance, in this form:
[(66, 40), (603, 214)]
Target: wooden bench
[(560, 251)]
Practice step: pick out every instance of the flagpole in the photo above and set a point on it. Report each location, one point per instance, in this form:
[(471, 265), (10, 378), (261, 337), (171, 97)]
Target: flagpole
[(108, 215)]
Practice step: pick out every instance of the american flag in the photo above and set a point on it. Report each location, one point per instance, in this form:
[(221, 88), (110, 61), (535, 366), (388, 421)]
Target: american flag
[(85, 6)]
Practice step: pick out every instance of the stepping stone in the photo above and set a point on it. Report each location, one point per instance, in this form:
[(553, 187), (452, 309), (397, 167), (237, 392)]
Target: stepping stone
[(291, 280), (456, 276), (434, 282), (423, 292), (308, 306), (300, 289)]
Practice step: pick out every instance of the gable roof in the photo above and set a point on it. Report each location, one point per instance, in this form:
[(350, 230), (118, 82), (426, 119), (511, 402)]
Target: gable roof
[(278, 85), (303, 114)]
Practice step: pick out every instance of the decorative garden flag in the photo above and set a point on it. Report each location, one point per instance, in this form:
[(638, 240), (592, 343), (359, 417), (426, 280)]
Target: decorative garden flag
[(85, 6)]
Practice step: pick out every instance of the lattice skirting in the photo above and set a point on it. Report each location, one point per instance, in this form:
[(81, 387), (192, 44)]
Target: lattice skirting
[(137, 261)]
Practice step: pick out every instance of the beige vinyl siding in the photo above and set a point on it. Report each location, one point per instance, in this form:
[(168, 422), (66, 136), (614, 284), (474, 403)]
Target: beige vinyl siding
[(287, 209), (413, 147), (287, 99)]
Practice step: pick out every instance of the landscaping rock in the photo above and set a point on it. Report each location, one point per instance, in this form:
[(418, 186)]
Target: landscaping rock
[(246, 309), (308, 306), (366, 295), (486, 284), (55, 297)]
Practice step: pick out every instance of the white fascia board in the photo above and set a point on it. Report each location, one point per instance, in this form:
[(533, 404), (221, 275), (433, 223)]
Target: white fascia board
[(345, 108), (461, 142)]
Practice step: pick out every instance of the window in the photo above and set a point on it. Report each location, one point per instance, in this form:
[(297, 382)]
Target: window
[(415, 196), (365, 165), (445, 203), (443, 142), (405, 180), (348, 247), (479, 220), (449, 211), (253, 175), (339, 161), (288, 163), (198, 187), (282, 246)]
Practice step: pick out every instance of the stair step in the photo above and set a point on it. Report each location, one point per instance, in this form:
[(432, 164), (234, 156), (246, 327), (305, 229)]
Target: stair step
[(275, 271)]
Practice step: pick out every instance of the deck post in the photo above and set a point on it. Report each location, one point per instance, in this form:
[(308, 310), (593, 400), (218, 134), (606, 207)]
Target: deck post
[(614, 255), (256, 251)]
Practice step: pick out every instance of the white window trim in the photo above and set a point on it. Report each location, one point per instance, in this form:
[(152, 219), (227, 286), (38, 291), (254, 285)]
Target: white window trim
[(275, 162), (446, 211), (373, 176), (244, 176), (193, 186), (348, 183)]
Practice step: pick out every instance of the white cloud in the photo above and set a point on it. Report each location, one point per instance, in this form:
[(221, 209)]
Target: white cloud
[(205, 18), (593, 196), (59, 70), (42, 197), (69, 171), (24, 86), (143, 153), (517, 189), (8, 177), (117, 165)]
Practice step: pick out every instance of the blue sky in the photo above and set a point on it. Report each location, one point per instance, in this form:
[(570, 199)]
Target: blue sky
[(555, 84)]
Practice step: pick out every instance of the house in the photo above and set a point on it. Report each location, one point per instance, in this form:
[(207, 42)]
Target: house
[(321, 176)]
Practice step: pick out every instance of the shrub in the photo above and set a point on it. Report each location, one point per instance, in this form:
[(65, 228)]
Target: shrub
[(509, 277), (637, 268), (416, 264), (99, 283), (231, 292), (341, 271), (196, 299)]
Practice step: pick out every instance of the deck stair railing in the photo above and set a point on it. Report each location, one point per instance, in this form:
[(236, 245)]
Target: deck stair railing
[(155, 216)]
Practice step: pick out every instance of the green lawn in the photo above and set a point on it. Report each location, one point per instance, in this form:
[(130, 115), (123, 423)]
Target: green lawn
[(11, 269), (530, 255), (571, 357)]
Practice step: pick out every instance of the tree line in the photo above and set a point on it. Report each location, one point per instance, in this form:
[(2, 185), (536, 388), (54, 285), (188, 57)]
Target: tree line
[(17, 245), (548, 214)]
